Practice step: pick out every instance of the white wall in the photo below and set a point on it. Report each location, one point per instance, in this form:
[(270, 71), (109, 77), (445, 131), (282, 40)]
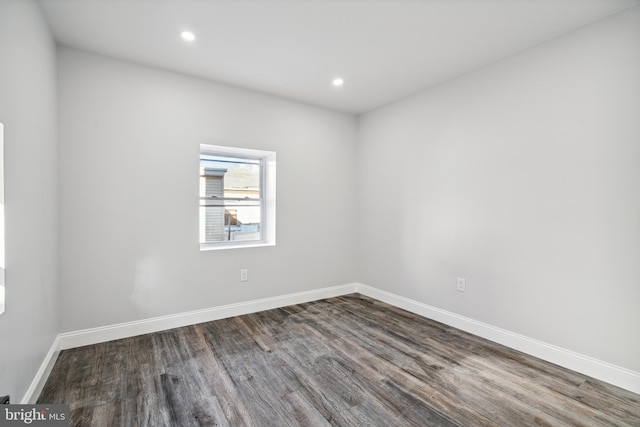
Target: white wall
[(28, 111), (129, 146), (523, 178)]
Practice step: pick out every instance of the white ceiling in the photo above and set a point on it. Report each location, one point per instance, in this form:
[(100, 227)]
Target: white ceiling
[(384, 49)]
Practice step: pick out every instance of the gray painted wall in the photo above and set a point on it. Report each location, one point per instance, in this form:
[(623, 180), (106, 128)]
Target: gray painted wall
[(28, 110), (129, 147), (521, 177)]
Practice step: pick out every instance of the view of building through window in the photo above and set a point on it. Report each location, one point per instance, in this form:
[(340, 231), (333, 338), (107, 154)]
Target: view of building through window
[(230, 198)]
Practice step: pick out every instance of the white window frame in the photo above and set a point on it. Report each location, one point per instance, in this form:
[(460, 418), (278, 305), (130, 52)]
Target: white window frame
[(267, 191)]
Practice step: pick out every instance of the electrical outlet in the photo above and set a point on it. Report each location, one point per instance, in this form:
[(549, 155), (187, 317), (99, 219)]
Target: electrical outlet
[(462, 284), (244, 275)]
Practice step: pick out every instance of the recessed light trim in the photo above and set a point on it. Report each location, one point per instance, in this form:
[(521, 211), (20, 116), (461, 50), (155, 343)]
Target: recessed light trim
[(188, 36), (338, 81)]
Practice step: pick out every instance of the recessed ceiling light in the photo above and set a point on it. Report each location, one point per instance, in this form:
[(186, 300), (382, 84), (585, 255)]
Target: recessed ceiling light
[(188, 36), (337, 81)]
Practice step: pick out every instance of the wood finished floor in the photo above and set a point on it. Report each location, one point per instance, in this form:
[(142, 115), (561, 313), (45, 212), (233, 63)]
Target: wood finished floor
[(347, 361)]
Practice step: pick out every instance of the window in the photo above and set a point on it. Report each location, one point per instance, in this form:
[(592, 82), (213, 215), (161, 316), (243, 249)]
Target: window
[(237, 197)]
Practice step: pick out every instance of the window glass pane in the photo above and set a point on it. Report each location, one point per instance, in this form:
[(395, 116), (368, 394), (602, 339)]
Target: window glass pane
[(230, 199), (241, 178), (222, 224)]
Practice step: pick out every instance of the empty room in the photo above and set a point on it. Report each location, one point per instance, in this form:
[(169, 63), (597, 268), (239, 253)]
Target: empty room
[(320, 212)]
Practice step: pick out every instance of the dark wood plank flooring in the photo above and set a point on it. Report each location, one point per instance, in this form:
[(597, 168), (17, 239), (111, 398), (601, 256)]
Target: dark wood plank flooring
[(347, 361)]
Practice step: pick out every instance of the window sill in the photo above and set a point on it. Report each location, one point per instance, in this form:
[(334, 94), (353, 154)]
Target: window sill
[(221, 246)]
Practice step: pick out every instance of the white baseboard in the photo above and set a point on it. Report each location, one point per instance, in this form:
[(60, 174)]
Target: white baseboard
[(155, 324), (43, 373), (604, 371), (607, 372)]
